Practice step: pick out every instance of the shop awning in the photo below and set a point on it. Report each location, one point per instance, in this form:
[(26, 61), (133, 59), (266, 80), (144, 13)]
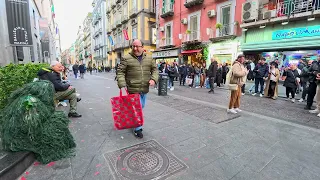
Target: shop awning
[(191, 51)]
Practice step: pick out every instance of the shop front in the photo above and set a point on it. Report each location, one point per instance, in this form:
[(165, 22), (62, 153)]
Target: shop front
[(287, 44), (168, 55), (223, 52)]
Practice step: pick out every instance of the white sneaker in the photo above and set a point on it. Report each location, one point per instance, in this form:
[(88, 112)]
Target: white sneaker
[(172, 88), (301, 100), (316, 111), (232, 111), (293, 100), (318, 115), (238, 110), (261, 95), (254, 94), (243, 94)]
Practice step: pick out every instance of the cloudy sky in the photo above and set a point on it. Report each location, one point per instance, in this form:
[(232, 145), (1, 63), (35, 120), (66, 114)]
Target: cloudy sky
[(70, 14)]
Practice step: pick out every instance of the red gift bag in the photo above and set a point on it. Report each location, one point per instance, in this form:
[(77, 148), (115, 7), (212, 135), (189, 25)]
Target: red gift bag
[(127, 111)]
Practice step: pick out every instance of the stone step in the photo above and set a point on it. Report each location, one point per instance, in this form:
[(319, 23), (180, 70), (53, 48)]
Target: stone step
[(13, 164)]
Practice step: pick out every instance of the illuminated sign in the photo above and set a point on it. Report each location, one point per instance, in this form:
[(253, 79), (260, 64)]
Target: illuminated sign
[(296, 33)]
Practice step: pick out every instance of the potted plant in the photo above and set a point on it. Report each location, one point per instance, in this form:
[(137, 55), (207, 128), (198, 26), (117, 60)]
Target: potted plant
[(188, 31), (236, 23), (219, 26), (163, 38)]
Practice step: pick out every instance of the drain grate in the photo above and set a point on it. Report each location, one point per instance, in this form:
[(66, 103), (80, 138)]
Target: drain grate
[(145, 161)]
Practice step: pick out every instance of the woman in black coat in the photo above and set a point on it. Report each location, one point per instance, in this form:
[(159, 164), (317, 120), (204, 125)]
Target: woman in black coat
[(218, 79), (291, 82)]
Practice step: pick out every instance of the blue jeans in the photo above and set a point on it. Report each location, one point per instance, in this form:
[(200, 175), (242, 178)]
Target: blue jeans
[(143, 98), (76, 75)]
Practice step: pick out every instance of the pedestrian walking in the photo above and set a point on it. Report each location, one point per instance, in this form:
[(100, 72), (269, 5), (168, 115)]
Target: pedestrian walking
[(312, 90), (136, 72), (75, 69), (237, 75), (304, 77), (82, 70), (212, 73)]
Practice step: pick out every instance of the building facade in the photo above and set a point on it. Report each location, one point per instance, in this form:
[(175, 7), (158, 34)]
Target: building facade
[(99, 33), (187, 27), (128, 20), (286, 31), (87, 39)]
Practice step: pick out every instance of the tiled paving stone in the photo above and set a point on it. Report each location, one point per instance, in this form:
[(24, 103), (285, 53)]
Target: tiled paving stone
[(145, 161)]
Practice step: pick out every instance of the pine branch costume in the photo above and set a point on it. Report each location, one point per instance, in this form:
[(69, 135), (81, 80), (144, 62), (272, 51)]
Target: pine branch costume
[(30, 123)]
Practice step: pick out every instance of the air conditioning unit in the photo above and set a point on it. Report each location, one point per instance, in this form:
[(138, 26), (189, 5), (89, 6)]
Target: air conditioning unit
[(211, 13), (270, 14), (250, 10), (184, 21), (161, 29)]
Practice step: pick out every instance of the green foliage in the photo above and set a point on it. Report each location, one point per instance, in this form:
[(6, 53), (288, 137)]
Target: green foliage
[(14, 76), (204, 47), (218, 25), (205, 55)]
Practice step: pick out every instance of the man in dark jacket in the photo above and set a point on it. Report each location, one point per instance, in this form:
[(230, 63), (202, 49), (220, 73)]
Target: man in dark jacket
[(262, 72), (212, 73), (312, 90), (64, 91), (82, 70), (136, 72), (75, 69), (183, 74)]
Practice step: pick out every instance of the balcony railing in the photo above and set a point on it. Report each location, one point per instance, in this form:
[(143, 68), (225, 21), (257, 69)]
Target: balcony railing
[(167, 10), (118, 22), (118, 1), (113, 3), (227, 31), (114, 26), (124, 18), (133, 11), (109, 30), (292, 10), (190, 3), (166, 42), (108, 9), (192, 37)]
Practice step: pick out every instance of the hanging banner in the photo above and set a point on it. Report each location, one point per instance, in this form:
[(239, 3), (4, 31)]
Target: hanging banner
[(18, 19), (111, 40), (125, 34)]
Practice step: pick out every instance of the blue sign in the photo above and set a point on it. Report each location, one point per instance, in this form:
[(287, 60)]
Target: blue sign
[(296, 33)]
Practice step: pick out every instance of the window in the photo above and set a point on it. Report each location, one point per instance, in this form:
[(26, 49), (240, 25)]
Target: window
[(134, 33), (125, 10), (194, 25), (225, 20), (168, 33), (225, 16)]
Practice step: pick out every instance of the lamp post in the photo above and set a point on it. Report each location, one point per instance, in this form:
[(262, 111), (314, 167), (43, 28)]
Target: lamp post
[(57, 25)]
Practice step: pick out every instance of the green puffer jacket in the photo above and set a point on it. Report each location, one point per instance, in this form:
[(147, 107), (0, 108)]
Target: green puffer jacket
[(136, 75)]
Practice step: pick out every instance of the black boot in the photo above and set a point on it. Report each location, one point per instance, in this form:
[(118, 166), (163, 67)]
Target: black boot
[(211, 91), (75, 115), (78, 99)]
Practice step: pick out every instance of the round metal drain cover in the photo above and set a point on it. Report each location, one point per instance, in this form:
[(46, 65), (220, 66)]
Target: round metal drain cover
[(142, 163)]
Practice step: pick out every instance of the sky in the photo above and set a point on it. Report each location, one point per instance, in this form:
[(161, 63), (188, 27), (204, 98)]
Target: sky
[(70, 14)]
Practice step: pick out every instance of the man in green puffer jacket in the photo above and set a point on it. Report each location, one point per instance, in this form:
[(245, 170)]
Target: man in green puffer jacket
[(136, 72)]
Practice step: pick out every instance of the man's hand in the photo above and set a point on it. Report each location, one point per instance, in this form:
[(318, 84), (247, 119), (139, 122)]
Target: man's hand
[(70, 87), (151, 82), (318, 76)]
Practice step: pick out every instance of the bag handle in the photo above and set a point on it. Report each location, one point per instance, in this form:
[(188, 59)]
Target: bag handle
[(121, 91)]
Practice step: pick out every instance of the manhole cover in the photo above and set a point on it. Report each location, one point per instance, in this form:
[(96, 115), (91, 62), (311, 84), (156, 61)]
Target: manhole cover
[(145, 161)]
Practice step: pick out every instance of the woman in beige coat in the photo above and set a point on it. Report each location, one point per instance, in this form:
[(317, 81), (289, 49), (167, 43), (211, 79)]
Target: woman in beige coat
[(238, 72), (271, 89)]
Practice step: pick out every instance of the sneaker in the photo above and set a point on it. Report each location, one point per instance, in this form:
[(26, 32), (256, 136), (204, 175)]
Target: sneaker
[(243, 94), (261, 95), (232, 111), (301, 100), (138, 133), (307, 108), (318, 115), (316, 111), (238, 110), (172, 88), (254, 94), (293, 100), (74, 115), (211, 91)]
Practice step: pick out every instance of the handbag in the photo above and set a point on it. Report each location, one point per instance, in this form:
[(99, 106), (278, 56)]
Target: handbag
[(127, 111), (233, 87)]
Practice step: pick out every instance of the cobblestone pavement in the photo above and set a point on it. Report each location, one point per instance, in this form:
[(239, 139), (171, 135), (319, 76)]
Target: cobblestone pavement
[(252, 146)]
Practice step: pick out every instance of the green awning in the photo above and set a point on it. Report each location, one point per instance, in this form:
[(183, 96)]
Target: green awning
[(303, 43)]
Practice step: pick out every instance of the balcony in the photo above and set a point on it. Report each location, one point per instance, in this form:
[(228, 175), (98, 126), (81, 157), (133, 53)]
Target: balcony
[(97, 57), (191, 3), (117, 46), (283, 12), (96, 47), (167, 10), (109, 50), (124, 18), (108, 9), (166, 43), (118, 22), (227, 31), (101, 45), (109, 30), (133, 12), (114, 27), (191, 37), (118, 1), (113, 4)]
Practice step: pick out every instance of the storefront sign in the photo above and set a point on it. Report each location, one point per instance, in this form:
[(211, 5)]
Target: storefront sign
[(164, 54), (296, 33), (18, 19)]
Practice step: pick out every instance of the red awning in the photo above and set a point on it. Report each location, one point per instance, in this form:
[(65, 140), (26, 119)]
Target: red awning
[(191, 51)]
